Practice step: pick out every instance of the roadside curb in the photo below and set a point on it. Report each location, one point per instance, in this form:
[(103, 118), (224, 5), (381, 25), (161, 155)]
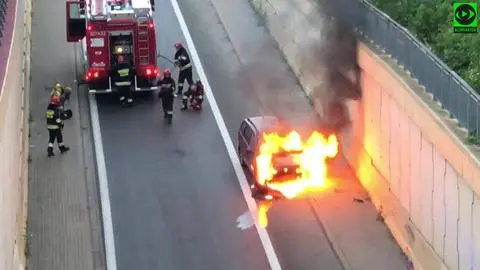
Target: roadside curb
[(23, 247)]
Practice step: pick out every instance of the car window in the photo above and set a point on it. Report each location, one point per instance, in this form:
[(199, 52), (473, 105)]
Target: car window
[(248, 134), (252, 143), (243, 126)]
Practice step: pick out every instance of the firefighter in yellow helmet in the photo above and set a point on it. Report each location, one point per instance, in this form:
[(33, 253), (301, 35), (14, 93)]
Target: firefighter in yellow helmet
[(62, 92), (57, 90)]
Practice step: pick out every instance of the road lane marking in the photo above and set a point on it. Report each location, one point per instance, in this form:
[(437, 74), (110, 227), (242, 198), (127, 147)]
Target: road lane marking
[(262, 232), (108, 236)]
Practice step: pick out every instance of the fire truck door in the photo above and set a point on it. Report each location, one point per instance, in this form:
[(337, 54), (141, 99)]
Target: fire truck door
[(76, 23)]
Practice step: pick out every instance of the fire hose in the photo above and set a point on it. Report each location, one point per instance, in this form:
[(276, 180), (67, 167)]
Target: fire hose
[(166, 58)]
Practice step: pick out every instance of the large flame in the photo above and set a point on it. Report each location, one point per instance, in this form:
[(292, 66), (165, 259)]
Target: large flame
[(310, 156)]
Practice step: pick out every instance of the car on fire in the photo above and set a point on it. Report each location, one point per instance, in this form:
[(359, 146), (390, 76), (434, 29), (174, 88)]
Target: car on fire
[(249, 136), (280, 163)]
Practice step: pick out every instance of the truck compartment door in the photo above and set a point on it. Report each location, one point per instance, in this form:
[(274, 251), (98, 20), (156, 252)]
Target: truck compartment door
[(76, 22)]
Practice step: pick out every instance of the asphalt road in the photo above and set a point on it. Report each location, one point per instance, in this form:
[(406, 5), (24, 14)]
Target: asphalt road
[(174, 194)]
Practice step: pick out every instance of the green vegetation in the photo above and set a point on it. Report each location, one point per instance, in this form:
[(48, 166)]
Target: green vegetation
[(431, 22)]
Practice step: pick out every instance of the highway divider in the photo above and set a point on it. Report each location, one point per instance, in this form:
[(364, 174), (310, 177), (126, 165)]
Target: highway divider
[(407, 153), (14, 146)]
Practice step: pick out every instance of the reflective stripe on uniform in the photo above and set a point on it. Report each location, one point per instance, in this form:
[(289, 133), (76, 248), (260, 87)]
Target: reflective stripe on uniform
[(184, 97), (123, 72), (52, 127), (58, 120), (50, 144), (180, 85), (169, 112), (123, 83)]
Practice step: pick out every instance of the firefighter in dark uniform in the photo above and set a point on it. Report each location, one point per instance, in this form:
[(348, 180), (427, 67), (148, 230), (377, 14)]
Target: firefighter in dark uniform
[(167, 88), (182, 61), (123, 77), (55, 126), (194, 95)]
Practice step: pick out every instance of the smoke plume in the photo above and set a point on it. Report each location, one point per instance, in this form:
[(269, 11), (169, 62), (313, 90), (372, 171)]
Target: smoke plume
[(328, 53)]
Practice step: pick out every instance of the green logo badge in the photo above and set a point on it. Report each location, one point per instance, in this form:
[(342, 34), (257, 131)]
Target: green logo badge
[(465, 17)]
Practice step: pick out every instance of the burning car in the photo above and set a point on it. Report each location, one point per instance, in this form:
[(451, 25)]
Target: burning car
[(282, 163)]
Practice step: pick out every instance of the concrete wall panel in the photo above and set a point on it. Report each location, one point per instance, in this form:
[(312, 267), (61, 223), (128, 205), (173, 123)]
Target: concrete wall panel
[(369, 96), (384, 136), (465, 234), (415, 175), (14, 143), (451, 214), (426, 183), (439, 221), (374, 133), (396, 143), (476, 233), (404, 142)]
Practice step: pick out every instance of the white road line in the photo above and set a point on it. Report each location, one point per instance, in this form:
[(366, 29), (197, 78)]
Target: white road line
[(264, 237), (109, 238)]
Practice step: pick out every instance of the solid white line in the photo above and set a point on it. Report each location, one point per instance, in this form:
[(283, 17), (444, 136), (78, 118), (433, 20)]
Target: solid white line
[(109, 238), (263, 234)]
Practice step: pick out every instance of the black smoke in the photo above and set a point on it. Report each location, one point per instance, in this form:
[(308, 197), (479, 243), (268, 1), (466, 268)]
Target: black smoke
[(327, 56), (330, 50)]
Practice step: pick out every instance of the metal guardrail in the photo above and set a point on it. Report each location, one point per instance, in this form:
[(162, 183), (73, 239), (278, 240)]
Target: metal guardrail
[(454, 94)]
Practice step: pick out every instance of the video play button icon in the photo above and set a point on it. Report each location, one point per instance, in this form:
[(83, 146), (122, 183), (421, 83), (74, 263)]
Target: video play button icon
[(465, 14)]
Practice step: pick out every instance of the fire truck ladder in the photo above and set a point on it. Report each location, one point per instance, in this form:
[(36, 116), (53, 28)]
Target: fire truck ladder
[(143, 43)]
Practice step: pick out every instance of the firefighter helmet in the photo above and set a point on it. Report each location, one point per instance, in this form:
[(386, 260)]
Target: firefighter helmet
[(178, 45), (55, 100), (167, 72), (58, 86), (68, 89)]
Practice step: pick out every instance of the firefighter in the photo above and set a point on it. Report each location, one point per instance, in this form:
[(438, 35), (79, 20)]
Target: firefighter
[(182, 61), (57, 90), (55, 126), (67, 92), (123, 77), (152, 3), (167, 89), (63, 92), (194, 95)]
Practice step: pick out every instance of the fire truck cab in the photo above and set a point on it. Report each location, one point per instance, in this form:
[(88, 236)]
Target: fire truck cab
[(108, 29)]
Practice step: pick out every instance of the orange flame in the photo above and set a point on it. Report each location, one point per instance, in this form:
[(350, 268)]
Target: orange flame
[(310, 157)]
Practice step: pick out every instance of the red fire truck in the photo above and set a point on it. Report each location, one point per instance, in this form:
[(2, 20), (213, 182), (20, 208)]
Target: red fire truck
[(108, 29)]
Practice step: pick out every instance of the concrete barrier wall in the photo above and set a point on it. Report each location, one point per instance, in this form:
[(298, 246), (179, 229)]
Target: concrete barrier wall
[(406, 152), (14, 143)]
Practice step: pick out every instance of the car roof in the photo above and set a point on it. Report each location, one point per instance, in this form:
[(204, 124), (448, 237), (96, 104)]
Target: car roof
[(264, 123)]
